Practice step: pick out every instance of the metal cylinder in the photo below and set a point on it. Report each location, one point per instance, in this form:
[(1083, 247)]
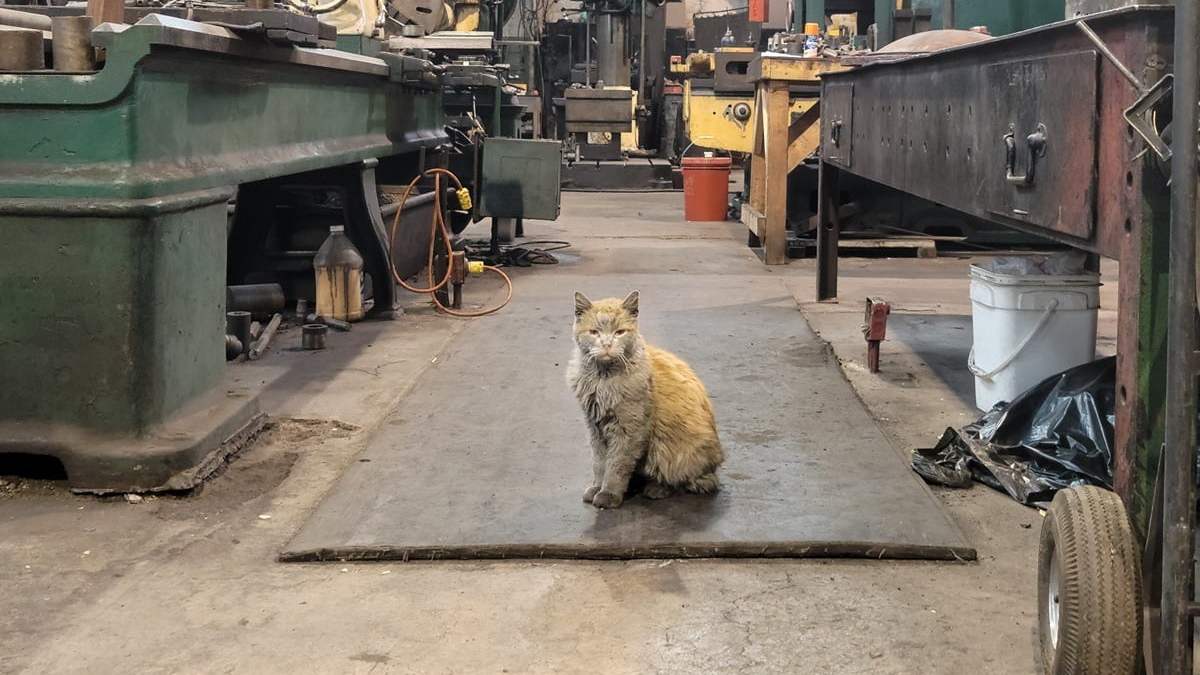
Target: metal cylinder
[(261, 299), (233, 347), (612, 46), (21, 49), (16, 17), (237, 324), (72, 47), (312, 335)]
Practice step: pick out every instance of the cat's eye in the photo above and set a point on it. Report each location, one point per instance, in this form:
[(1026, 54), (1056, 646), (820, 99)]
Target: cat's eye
[(594, 332), (621, 332)]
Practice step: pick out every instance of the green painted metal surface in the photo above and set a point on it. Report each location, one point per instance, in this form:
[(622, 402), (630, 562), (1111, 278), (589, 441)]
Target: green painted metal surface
[(883, 28), (113, 212), (521, 178), (115, 312), (175, 111), (359, 44), (1151, 347), (1001, 18)]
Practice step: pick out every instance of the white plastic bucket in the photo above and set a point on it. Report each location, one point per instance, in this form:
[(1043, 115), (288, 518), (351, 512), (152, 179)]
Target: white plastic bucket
[(1027, 328)]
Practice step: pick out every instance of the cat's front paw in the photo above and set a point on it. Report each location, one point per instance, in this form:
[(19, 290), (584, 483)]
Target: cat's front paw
[(606, 500), (589, 493)]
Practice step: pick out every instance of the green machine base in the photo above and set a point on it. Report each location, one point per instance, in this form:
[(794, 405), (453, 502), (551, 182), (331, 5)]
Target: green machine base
[(114, 212)]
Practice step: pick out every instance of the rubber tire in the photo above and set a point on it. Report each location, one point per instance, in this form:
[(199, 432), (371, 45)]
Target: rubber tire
[(1100, 611)]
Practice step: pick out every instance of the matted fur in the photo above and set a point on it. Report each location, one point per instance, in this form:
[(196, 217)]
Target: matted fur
[(646, 411)]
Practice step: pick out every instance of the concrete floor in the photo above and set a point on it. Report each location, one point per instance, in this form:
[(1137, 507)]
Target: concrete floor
[(190, 585)]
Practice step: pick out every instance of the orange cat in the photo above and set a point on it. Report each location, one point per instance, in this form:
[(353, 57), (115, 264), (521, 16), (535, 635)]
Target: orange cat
[(647, 412)]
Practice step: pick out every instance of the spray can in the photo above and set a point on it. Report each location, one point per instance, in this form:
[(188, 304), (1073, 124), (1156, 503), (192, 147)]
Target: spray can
[(812, 40)]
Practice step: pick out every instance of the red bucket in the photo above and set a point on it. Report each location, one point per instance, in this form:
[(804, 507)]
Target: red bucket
[(705, 188)]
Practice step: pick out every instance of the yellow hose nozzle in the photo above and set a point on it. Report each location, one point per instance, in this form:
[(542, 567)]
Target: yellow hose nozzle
[(464, 199), (475, 266)]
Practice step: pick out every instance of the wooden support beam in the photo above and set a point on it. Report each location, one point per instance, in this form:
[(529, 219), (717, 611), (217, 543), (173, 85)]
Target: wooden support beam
[(755, 222), (772, 104), (804, 136), (106, 11)]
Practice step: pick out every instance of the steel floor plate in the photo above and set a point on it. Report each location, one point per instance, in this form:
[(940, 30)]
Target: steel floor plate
[(487, 457)]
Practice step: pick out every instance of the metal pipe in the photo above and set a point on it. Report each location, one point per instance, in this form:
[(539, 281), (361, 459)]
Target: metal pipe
[(14, 17), (1112, 58), (256, 298), (260, 345), (1179, 452), (496, 105), (72, 48), (238, 325), (312, 336), (947, 14), (612, 61), (587, 51), (413, 202), (642, 57)]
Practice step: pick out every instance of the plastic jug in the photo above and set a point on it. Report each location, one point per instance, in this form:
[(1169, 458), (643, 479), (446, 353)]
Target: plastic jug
[(339, 269)]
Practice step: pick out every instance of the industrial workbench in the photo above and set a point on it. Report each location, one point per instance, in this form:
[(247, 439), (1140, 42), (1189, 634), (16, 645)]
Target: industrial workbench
[(1057, 131), (115, 202)]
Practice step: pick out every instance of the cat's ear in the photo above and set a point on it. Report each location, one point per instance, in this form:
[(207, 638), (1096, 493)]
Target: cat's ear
[(630, 303), (582, 304)]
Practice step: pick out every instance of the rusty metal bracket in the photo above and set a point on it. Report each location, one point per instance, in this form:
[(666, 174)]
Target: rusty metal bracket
[(1140, 115), (875, 330)]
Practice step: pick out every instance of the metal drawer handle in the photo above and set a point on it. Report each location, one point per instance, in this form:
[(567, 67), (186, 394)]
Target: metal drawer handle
[(1037, 148), (835, 132)]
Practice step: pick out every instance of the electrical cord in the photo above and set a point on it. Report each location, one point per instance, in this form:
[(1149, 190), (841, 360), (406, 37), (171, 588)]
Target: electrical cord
[(523, 255), (438, 227)]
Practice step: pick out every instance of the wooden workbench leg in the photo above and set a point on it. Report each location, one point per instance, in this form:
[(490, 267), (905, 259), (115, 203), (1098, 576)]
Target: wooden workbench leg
[(828, 229), (776, 118), (756, 191)]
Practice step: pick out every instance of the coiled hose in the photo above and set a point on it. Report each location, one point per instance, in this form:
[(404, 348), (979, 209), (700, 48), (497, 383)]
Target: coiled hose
[(438, 230)]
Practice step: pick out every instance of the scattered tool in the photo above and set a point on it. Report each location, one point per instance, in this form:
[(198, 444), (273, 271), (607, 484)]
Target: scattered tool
[(238, 325), (233, 347), (312, 336), (874, 329), (332, 323), (264, 341)]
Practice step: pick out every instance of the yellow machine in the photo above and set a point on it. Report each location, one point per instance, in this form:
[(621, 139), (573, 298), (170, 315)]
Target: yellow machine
[(718, 99), (725, 121)]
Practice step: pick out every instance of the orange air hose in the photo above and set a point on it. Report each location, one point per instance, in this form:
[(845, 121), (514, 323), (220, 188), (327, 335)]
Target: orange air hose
[(438, 227)]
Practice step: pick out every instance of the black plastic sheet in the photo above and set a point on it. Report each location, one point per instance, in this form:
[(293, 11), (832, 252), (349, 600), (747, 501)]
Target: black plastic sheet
[(1055, 435)]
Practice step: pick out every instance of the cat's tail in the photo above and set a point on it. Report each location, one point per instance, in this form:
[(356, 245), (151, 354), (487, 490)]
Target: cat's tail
[(703, 485)]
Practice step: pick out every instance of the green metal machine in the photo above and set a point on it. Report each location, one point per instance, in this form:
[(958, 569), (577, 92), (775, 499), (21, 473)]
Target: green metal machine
[(1000, 17), (115, 192)]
